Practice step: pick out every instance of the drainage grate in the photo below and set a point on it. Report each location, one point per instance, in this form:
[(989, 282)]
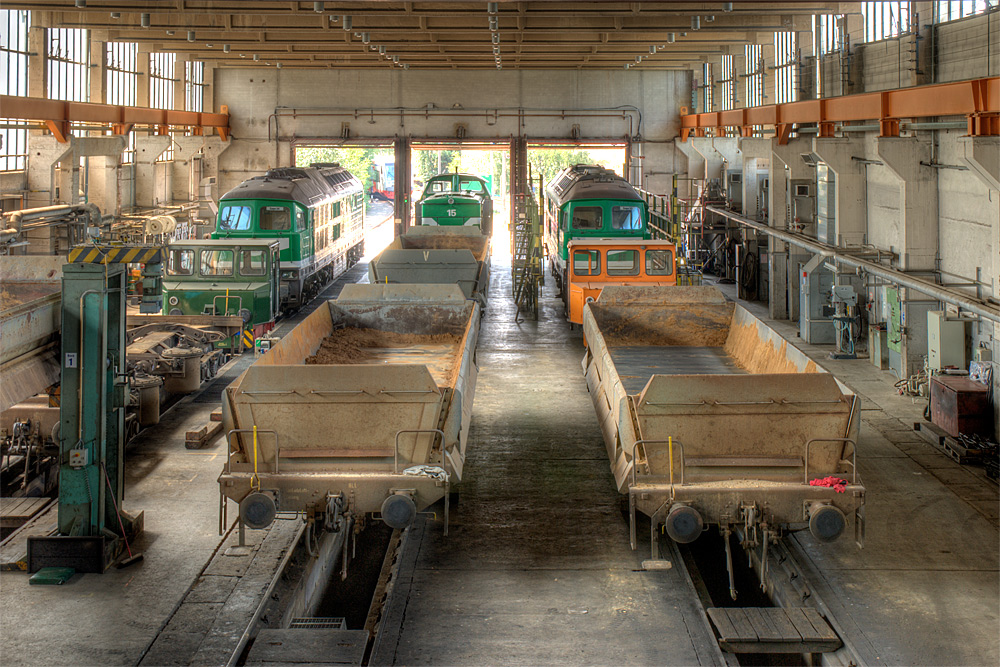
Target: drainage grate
[(327, 623)]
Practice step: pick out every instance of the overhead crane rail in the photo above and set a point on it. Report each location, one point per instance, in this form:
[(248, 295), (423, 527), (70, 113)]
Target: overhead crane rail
[(57, 116), (977, 99)]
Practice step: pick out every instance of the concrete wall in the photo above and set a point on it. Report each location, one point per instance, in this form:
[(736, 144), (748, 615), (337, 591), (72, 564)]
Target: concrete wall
[(437, 100)]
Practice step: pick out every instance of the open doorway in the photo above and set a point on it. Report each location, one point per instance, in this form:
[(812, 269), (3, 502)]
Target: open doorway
[(489, 162), (373, 166)]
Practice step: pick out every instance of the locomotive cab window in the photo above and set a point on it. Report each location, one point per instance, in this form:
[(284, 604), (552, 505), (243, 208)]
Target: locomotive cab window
[(470, 186), (659, 262), (586, 262), (180, 263), (626, 217), (587, 217), (300, 219), (216, 262), (252, 263), (275, 218), (234, 218), (623, 262)]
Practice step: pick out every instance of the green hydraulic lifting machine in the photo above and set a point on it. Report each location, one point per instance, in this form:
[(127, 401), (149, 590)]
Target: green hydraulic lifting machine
[(94, 530)]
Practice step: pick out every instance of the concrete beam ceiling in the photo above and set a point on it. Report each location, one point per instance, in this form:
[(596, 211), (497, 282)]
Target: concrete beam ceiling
[(550, 35)]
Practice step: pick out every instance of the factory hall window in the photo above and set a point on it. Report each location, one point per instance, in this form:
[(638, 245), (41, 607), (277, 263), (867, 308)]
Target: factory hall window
[(216, 262), (69, 64), (885, 19), (728, 82), (707, 86), (586, 262), (275, 219), (755, 75), (122, 78), (161, 89), (252, 263), (194, 86), (234, 218), (14, 26), (180, 262), (951, 10), (587, 217), (623, 262), (659, 262), (626, 217), (785, 67)]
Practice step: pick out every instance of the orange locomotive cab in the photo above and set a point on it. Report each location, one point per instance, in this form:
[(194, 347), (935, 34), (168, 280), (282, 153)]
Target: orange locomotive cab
[(595, 264)]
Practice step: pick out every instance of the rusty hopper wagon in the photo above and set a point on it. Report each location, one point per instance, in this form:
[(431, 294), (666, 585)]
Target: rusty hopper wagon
[(711, 418), (437, 255), (326, 427)]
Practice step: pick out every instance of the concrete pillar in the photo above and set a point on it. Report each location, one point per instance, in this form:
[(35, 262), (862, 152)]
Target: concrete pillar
[(783, 283), (180, 81), (851, 214), (102, 156), (186, 168), (211, 150), (712, 158), (756, 156), (919, 243), (46, 186), (151, 184), (142, 78), (98, 67), (982, 157), (38, 71), (696, 165)]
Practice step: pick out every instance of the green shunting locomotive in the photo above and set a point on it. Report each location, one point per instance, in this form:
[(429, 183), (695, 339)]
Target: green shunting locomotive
[(456, 200), (317, 216), (589, 201), (224, 277)]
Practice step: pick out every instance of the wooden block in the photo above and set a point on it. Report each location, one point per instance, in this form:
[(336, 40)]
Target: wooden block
[(216, 415), (203, 436)]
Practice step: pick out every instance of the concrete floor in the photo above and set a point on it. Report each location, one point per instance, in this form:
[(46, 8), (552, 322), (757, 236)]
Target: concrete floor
[(537, 568)]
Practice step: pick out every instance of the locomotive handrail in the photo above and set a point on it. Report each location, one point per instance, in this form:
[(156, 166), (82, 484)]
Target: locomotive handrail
[(854, 457), (225, 310), (229, 449), (643, 442), (395, 449)]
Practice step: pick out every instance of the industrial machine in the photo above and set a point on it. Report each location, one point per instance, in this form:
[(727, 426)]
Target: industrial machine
[(94, 528), (733, 188)]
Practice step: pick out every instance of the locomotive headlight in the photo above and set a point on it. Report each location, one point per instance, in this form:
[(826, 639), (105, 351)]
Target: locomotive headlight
[(172, 300)]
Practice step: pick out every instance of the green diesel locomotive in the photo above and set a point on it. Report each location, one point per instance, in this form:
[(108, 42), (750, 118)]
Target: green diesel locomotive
[(455, 200), (224, 277), (317, 216), (588, 202)]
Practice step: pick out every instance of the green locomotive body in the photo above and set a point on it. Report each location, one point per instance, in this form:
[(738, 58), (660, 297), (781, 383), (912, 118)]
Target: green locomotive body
[(456, 200), (224, 277), (588, 202), (316, 214)]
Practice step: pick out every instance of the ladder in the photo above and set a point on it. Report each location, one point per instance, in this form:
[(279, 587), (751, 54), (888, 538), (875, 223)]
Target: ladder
[(526, 255)]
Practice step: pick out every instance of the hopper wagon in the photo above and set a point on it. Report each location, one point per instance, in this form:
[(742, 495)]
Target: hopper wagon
[(362, 409), (437, 255), (711, 418)]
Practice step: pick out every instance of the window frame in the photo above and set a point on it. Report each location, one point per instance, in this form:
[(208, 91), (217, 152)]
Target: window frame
[(646, 261), (204, 267), (631, 271), (592, 253), (587, 207)]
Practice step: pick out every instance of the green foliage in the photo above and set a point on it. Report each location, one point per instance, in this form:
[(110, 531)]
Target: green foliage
[(550, 162), (431, 163), (358, 161)]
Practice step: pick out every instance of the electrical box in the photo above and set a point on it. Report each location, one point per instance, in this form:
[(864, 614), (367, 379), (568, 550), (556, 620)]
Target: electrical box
[(826, 204), (734, 189), (878, 349), (763, 185), (802, 201), (945, 341)]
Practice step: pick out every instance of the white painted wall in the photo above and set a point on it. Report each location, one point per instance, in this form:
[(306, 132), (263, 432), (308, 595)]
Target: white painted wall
[(366, 99)]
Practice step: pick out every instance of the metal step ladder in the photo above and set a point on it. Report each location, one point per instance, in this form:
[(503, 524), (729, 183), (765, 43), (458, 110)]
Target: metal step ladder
[(526, 255)]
